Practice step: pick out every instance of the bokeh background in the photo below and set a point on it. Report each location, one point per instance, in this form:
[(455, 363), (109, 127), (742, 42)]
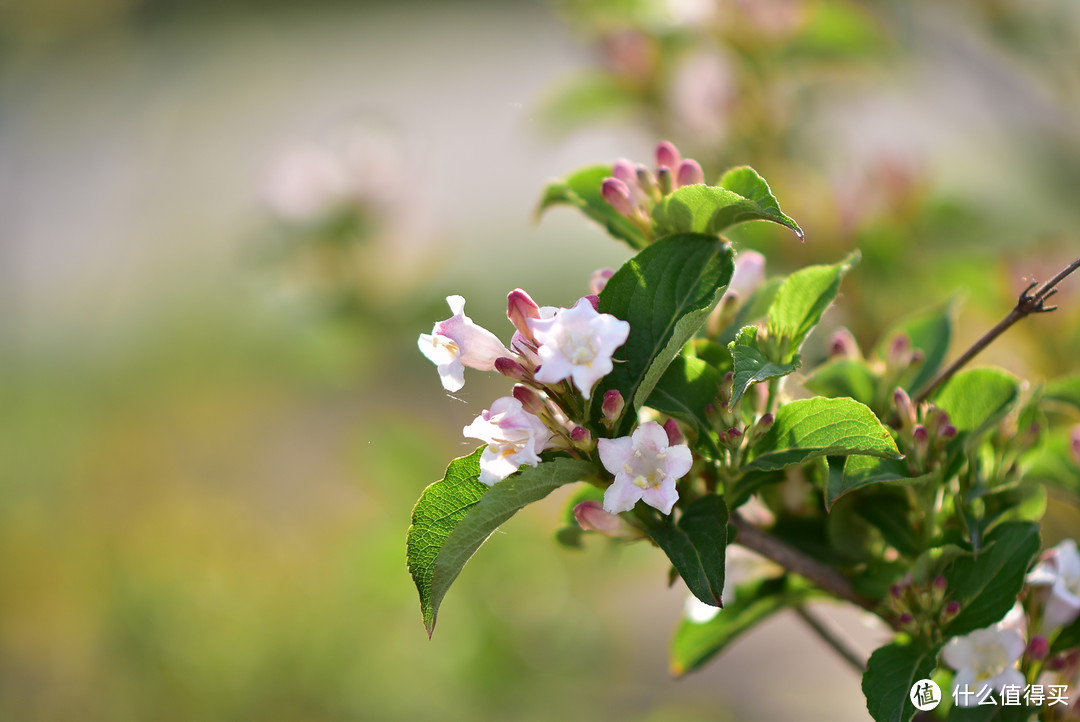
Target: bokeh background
[(222, 227)]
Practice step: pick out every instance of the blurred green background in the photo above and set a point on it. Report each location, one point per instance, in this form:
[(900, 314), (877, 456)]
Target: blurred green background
[(214, 419)]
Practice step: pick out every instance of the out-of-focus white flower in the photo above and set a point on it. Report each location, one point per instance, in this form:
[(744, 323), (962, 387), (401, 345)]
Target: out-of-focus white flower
[(646, 467), (1059, 569), (456, 343), (703, 92), (577, 343), (306, 182), (985, 657), (513, 437), (748, 275)]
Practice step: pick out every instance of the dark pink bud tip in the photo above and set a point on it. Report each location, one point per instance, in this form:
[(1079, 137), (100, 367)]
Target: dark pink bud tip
[(580, 434), (613, 404), (952, 609), (920, 434), (594, 300), (1038, 648), (529, 399), (940, 583), (896, 591), (510, 368), (617, 195), (689, 174), (948, 431), (905, 619), (667, 155), (674, 433), (733, 433)]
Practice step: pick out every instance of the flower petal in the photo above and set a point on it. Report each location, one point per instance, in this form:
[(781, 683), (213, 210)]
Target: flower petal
[(621, 496)]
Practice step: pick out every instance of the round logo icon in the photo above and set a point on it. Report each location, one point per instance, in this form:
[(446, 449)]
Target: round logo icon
[(925, 695)]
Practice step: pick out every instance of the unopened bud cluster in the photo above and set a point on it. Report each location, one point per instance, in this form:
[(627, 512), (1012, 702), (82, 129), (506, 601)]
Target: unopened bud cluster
[(922, 610), (924, 432), (731, 431), (633, 189)]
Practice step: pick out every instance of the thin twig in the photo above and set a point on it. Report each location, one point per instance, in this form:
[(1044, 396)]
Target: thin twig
[(1026, 305), (839, 646), (794, 560)]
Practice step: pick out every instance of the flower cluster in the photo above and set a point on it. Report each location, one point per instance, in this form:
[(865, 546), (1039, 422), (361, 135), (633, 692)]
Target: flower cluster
[(924, 432), (633, 190), (557, 356)]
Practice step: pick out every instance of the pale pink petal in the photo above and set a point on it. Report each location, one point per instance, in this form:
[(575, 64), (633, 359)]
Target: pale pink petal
[(614, 453), (663, 497), (679, 460), (621, 497), (651, 434)]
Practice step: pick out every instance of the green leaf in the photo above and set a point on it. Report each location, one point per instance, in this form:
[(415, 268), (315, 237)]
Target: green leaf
[(811, 428), (665, 293), (581, 190), (844, 377), (930, 332), (751, 364), (803, 298), (888, 510), (687, 387), (1067, 638), (987, 583), (889, 676), (456, 515), (695, 643), (586, 98), (860, 471), (976, 400), (1065, 390), (696, 545), (749, 483), (743, 196)]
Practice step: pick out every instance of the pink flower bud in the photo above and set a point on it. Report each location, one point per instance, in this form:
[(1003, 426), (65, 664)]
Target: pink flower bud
[(689, 174), (906, 620), (625, 171), (529, 399), (667, 155), (590, 516), (766, 421), (674, 433), (595, 301), (1038, 648), (579, 434), (952, 609), (645, 179), (617, 194), (843, 344), (733, 435), (899, 347), (1076, 443), (663, 179), (613, 405), (599, 280), (940, 583), (511, 369), (904, 408), (519, 309), (948, 431)]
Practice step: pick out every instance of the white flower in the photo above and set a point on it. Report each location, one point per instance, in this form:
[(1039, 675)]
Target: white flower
[(646, 467), (456, 343), (1059, 569), (748, 275), (985, 657), (577, 343), (513, 437)]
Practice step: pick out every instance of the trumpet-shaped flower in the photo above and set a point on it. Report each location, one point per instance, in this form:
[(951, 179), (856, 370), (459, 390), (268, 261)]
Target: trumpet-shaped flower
[(985, 657), (577, 343), (646, 467), (513, 437), (1059, 570), (456, 343)]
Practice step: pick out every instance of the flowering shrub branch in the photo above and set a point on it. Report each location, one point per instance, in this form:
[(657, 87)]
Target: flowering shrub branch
[(668, 393)]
